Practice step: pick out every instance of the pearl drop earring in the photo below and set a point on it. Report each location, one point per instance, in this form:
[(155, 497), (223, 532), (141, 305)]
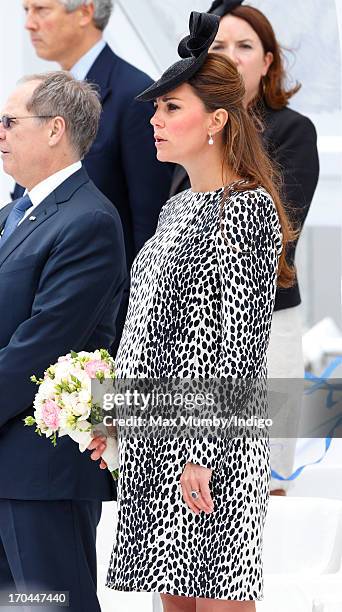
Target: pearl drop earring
[(211, 140)]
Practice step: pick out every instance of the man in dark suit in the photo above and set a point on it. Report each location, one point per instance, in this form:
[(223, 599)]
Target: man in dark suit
[(122, 161), (62, 273)]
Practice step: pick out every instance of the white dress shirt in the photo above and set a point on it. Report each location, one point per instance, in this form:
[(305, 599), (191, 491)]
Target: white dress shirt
[(44, 188), (80, 70)]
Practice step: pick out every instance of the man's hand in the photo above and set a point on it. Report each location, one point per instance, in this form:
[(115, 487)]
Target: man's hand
[(196, 478), (98, 445)]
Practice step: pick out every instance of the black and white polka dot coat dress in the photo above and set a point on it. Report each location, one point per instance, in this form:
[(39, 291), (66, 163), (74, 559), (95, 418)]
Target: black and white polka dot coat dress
[(200, 306)]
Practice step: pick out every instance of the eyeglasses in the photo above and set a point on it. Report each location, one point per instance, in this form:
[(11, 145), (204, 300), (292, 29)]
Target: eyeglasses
[(7, 121)]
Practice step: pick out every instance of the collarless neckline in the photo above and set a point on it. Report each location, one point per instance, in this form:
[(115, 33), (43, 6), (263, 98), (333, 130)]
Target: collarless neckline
[(230, 185), (206, 192)]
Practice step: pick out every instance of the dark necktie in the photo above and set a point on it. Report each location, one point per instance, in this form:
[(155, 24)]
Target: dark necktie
[(17, 213)]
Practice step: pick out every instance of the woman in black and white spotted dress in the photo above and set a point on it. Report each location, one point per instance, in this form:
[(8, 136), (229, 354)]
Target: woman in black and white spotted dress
[(201, 302)]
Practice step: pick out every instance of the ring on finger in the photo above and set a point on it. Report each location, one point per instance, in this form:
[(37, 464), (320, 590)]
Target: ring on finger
[(195, 494)]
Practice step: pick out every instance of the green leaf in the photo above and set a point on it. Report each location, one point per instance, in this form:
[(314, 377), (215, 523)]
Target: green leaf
[(53, 439), (29, 420), (100, 376), (37, 381)]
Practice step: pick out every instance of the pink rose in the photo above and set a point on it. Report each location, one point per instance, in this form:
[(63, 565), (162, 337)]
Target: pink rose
[(50, 414), (92, 367)]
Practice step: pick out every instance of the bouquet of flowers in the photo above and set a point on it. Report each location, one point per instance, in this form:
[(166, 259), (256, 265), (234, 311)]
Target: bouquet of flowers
[(65, 405)]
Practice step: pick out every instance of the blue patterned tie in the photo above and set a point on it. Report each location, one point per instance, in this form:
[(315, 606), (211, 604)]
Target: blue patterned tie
[(17, 213)]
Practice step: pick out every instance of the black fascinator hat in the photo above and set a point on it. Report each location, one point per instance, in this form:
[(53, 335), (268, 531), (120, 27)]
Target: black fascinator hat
[(222, 7), (193, 50)]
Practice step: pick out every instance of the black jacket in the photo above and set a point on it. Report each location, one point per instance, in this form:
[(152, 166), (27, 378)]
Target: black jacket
[(291, 140)]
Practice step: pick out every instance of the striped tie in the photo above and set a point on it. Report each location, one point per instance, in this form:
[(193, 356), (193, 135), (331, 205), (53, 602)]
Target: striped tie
[(17, 213)]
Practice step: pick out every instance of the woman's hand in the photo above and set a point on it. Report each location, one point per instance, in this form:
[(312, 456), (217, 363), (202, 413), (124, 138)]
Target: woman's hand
[(196, 478), (98, 445)]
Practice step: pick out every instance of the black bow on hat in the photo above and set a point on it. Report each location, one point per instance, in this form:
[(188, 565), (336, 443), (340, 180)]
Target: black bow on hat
[(193, 49), (222, 7), (200, 37)]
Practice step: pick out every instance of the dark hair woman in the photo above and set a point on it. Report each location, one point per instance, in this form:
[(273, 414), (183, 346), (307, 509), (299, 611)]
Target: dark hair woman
[(246, 36), (201, 303)]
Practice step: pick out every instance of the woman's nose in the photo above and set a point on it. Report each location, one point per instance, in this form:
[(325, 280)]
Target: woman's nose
[(233, 55), (157, 120)]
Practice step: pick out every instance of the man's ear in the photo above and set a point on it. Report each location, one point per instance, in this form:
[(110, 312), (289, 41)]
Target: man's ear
[(56, 131), (86, 14)]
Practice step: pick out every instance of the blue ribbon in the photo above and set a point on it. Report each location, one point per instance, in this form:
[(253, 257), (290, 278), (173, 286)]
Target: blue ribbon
[(319, 382)]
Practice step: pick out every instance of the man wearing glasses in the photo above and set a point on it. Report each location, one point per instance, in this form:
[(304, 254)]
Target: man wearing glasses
[(62, 273)]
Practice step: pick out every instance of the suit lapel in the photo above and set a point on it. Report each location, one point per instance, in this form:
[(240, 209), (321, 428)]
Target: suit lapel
[(4, 212), (41, 213), (100, 72)]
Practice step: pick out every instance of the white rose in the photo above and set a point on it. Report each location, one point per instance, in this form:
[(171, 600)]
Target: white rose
[(84, 354), (66, 420), (82, 410), (47, 389), (69, 400), (84, 380), (63, 370), (84, 396)]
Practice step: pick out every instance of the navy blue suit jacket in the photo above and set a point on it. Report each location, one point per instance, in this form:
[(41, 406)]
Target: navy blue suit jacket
[(122, 161), (61, 282)]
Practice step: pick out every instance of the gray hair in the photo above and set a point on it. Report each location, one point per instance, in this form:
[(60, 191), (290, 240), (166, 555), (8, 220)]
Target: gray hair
[(102, 10), (60, 95)]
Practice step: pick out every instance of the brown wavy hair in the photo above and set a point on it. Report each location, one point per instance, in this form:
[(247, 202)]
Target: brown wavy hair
[(273, 86), (219, 85)]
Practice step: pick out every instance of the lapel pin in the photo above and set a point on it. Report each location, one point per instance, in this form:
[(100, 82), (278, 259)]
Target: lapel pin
[(32, 218)]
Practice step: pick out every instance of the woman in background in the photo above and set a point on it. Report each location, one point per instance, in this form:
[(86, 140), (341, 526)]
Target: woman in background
[(246, 36)]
